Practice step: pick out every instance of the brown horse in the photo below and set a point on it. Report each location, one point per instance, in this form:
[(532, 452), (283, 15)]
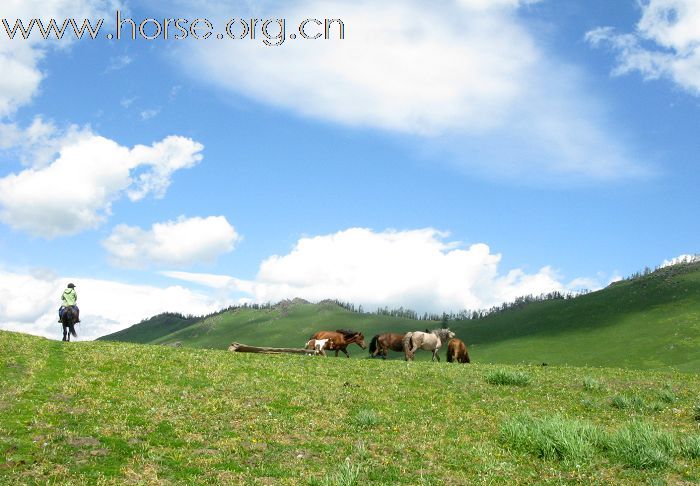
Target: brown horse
[(340, 340), (457, 351), (382, 343)]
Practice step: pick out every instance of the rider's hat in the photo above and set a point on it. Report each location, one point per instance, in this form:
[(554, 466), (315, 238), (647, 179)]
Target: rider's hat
[(71, 286)]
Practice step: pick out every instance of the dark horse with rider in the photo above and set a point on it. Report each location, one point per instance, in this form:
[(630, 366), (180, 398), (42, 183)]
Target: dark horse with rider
[(69, 314)]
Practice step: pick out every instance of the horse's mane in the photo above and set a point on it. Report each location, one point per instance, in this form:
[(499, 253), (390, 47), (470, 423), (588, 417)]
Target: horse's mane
[(440, 331), (346, 332)]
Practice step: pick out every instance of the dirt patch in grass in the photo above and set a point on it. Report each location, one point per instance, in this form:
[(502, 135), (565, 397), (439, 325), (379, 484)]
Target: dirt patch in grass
[(83, 442)]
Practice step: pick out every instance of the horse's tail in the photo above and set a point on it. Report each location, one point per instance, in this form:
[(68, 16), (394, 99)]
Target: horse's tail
[(408, 344), (373, 344), (72, 331)]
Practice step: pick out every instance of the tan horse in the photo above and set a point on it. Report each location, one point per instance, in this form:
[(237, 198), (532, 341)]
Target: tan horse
[(430, 341), (340, 340)]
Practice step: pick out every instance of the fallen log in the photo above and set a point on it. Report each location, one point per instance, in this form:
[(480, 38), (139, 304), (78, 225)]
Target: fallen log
[(242, 348)]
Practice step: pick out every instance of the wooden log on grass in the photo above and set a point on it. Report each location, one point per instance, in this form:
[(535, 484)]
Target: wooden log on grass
[(242, 348)]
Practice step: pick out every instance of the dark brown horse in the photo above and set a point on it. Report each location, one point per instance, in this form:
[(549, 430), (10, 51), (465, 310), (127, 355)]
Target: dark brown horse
[(340, 340), (457, 351), (382, 343), (69, 317)]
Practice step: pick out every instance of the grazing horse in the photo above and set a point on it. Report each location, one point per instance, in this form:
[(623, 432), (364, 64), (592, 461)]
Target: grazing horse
[(381, 343), (457, 351), (341, 339), (69, 317), (430, 341)]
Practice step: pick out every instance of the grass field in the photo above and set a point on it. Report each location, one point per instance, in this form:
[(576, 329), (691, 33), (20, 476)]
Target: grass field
[(118, 413), (651, 322)]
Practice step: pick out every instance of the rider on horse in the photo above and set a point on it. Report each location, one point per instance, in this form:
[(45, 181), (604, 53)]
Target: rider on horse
[(69, 298)]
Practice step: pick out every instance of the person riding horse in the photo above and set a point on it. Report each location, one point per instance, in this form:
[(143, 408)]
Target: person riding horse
[(69, 298)]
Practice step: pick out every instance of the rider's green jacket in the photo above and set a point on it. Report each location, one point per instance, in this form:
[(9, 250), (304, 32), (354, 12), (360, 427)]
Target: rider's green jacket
[(69, 297)]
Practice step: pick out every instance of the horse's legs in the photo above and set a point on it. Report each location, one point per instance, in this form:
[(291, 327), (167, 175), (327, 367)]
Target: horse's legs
[(345, 350), (64, 333)]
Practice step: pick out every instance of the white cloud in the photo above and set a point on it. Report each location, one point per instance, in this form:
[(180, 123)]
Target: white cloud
[(466, 75), (401, 67), (127, 102), (416, 269), (118, 62), (672, 27), (89, 173), (685, 258), (19, 58), (206, 279), (149, 113), (31, 302), (181, 242)]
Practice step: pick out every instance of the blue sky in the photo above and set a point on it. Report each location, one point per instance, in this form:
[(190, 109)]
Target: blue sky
[(440, 158)]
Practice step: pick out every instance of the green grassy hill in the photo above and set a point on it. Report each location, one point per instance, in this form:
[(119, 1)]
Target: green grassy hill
[(119, 413), (650, 322), (153, 328)]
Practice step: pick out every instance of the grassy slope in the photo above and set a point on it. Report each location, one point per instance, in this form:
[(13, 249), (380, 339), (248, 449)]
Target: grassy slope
[(153, 328), (648, 323), (116, 413)]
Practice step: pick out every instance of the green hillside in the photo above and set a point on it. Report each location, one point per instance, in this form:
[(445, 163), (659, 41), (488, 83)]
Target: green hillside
[(649, 322), (153, 328), (119, 413)]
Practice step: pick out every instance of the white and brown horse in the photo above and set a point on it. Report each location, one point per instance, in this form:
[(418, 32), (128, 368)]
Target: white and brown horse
[(340, 340), (430, 341)]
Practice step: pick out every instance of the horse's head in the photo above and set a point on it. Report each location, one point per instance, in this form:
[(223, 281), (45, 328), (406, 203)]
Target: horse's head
[(444, 334), (360, 340)]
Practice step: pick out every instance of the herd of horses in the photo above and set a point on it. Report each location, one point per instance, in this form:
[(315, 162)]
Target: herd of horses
[(339, 340), (380, 344)]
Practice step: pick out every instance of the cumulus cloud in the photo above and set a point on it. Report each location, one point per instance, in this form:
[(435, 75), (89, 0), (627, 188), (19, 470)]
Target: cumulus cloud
[(465, 73), (666, 43), (30, 303), (181, 242), (19, 58), (417, 269), (90, 173)]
